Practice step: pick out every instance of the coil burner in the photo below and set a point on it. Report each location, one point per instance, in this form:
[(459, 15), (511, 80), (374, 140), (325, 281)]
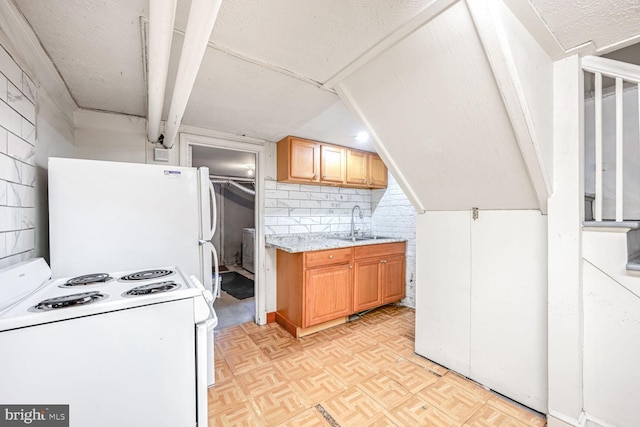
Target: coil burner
[(87, 279), (69, 300), (152, 288), (146, 275)]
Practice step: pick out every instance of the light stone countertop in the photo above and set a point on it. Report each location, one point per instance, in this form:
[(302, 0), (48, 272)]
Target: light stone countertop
[(306, 242)]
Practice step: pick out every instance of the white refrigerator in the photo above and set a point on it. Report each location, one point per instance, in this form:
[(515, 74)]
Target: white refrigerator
[(111, 216)]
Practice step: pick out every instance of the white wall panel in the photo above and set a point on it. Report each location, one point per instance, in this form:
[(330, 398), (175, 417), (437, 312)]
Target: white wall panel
[(443, 288), (611, 348), (509, 304)]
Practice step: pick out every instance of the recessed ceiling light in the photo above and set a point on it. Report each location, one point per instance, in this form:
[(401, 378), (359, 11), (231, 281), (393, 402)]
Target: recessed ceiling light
[(362, 136)]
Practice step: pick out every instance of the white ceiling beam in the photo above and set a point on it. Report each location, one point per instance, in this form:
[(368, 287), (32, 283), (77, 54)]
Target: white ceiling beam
[(202, 17), (162, 15)]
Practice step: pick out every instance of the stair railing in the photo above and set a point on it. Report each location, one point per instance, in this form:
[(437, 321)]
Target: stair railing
[(621, 72)]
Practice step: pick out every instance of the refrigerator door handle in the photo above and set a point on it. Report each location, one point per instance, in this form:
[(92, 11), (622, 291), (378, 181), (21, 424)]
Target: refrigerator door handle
[(214, 211), (211, 282)]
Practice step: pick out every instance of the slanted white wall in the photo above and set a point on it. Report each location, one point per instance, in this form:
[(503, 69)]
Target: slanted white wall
[(438, 119)]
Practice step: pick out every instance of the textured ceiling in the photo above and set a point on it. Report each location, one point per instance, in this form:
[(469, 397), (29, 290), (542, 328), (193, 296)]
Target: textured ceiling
[(604, 22), (257, 77), (285, 46)]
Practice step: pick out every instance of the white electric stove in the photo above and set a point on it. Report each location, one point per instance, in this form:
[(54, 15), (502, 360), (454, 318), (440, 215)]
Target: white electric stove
[(126, 348)]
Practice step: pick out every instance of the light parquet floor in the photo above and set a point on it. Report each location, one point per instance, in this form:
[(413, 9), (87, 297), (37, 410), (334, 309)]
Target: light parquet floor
[(363, 373)]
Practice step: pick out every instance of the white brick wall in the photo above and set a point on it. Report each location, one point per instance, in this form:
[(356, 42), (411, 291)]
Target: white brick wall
[(17, 162), (394, 216), (296, 208)]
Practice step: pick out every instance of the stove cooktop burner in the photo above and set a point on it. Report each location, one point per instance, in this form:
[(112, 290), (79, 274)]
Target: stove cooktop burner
[(69, 300), (87, 279), (152, 288), (146, 275)]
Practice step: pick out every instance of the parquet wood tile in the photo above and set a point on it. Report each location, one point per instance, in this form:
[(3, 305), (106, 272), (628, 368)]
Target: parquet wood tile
[(225, 395), (362, 373), (241, 415), (240, 344), (427, 364), (351, 371), (411, 376), (240, 363), (278, 404), (488, 416), (296, 365), (223, 372), (355, 342), (260, 380), (455, 401), (416, 412), (522, 414), (352, 407), (378, 357), (309, 418), (468, 385), (319, 385), (228, 333), (378, 333), (328, 353), (400, 345), (384, 390), (334, 333)]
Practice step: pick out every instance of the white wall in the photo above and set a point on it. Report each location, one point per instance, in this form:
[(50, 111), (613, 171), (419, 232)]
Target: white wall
[(611, 348), (394, 216)]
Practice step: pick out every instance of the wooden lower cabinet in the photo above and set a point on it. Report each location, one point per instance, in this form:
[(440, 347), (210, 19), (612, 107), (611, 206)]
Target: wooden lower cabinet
[(320, 289), (378, 275), (327, 294)]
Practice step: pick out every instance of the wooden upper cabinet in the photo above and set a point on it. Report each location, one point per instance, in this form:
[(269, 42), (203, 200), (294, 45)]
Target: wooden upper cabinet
[(378, 177), (298, 160), (311, 162), (332, 164), (357, 167)]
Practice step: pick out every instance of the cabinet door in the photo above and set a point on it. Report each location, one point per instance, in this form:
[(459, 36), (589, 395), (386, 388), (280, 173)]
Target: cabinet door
[(392, 279), (366, 289), (327, 294), (332, 164), (377, 172), (305, 159), (357, 167)]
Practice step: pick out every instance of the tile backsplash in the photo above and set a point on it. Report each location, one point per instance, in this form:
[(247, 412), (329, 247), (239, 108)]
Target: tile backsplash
[(17, 162), (297, 208)]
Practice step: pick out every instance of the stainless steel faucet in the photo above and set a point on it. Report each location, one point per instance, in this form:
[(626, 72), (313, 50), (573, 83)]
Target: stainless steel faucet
[(353, 211)]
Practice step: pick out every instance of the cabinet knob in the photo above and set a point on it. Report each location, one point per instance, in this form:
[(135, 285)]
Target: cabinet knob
[(324, 176), (330, 256), (351, 266), (315, 176)]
